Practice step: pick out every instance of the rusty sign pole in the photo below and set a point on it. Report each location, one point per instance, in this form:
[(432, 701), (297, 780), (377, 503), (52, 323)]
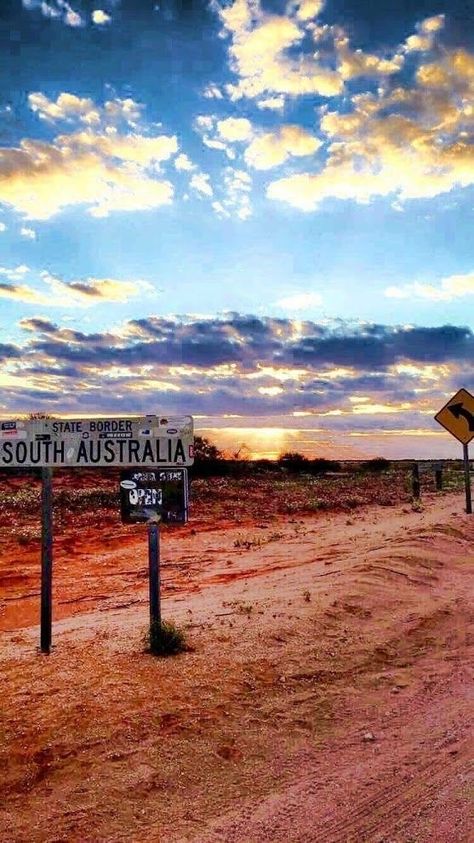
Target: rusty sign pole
[(467, 479), (46, 559), (154, 571)]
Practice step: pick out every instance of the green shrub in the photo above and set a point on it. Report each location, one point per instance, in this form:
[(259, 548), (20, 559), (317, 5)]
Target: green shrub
[(164, 638)]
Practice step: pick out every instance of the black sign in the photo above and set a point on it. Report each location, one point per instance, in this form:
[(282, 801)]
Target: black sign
[(149, 492)]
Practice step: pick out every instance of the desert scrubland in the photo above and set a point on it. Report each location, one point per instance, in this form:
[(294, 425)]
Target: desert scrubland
[(326, 693)]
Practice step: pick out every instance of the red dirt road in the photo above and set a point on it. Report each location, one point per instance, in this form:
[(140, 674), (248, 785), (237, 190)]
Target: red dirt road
[(327, 697)]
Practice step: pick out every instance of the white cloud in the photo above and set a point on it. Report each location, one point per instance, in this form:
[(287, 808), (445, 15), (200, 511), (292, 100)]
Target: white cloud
[(235, 199), (453, 287), (273, 103), (69, 108), (261, 58), (56, 9), (200, 183), (183, 163), (99, 17), (29, 233), (213, 92), (234, 129), (2, 226), (273, 148), (300, 301), (15, 274)]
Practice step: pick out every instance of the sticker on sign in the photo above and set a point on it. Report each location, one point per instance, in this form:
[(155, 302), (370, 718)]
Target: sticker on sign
[(139, 441)]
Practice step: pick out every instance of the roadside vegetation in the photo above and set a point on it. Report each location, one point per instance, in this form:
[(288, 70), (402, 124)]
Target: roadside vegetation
[(233, 490), (164, 638)]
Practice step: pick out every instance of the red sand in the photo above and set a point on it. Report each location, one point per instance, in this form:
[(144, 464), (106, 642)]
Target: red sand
[(327, 696)]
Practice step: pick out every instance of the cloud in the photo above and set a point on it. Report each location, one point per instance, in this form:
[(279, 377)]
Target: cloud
[(234, 199), (213, 92), (262, 53), (300, 301), (453, 287), (273, 103), (183, 163), (99, 17), (65, 108), (21, 292), (274, 148), (412, 142), (29, 233), (423, 39), (69, 108), (59, 293), (308, 9), (235, 129), (200, 183), (134, 148), (107, 170), (56, 9), (355, 63), (15, 274), (2, 227), (38, 324), (338, 376)]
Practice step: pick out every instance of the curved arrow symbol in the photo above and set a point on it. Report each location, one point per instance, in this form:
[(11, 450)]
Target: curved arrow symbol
[(458, 410)]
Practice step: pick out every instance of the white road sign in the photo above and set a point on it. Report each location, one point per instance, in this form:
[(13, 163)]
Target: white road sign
[(165, 441)]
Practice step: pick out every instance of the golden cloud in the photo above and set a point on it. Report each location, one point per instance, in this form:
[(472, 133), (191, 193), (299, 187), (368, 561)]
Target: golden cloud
[(412, 142), (39, 179), (61, 293), (355, 63), (21, 292), (273, 148), (259, 54)]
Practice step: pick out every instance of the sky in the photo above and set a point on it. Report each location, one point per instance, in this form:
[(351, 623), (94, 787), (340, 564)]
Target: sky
[(256, 213)]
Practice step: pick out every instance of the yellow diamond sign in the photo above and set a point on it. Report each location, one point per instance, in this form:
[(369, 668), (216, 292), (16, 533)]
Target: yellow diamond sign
[(457, 416)]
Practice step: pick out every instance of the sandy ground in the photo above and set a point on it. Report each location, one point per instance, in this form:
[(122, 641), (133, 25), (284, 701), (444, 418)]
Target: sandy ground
[(326, 697)]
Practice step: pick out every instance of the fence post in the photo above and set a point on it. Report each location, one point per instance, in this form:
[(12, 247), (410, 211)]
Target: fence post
[(415, 480)]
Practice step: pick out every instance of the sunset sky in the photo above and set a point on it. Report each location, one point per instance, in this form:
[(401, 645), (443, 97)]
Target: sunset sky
[(260, 214)]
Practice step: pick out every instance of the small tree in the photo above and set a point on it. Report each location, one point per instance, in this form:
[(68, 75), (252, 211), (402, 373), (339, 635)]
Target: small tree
[(208, 459), (205, 450), (293, 461)]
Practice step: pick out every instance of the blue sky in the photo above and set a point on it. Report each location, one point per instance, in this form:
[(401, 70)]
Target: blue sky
[(216, 208)]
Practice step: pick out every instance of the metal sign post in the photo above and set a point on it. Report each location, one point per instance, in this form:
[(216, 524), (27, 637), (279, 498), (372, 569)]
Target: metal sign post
[(467, 479), (46, 559), (158, 448), (154, 571), (457, 417)]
